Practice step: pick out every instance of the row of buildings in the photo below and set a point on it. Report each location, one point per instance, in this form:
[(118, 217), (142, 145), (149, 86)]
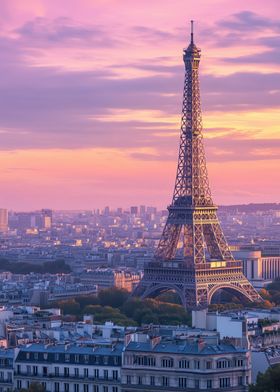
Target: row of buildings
[(142, 362), (120, 239), (39, 289), (221, 352)]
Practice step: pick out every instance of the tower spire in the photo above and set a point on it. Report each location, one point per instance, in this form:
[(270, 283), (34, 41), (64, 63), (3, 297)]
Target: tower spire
[(192, 32)]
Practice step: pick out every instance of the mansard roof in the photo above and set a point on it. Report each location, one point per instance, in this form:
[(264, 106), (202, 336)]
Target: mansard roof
[(184, 349)]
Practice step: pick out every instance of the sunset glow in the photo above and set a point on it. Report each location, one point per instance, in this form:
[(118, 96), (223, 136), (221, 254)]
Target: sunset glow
[(91, 96)]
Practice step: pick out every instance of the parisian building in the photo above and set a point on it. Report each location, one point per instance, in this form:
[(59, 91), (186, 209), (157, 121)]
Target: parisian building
[(152, 364), (69, 368)]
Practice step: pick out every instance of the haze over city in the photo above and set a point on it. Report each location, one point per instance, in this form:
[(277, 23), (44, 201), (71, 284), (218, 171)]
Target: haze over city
[(91, 97)]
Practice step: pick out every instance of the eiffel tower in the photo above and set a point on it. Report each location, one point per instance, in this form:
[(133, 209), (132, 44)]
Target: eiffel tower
[(203, 264)]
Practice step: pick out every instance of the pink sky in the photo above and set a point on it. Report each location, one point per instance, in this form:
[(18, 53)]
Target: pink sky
[(91, 95)]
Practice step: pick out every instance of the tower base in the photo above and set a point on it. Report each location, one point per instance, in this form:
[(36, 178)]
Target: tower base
[(196, 286)]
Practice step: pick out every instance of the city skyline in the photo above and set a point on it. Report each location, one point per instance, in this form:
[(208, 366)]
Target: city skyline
[(91, 105)]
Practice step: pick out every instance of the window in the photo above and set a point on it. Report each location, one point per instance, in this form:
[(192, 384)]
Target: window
[(76, 358), (18, 384), (105, 360), (105, 374), (128, 379), (209, 384), (56, 386), (76, 372), (36, 356), (105, 389), (239, 363), (66, 372), (56, 357), (56, 371), (96, 373), (183, 382), (140, 360), (152, 380), (35, 370), (196, 384), (115, 374), (45, 371), (18, 369), (67, 357), (167, 362), (115, 389), (224, 382), (45, 356), (28, 369), (184, 364), (66, 387), (196, 364), (86, 358), (95, 388), (165, 381), (140, 380), (85, 372), (116, 360), (151, 361), (208, 365), (76, 387), (223, 363), (44, 385), (240, 380), (27, 355), (85, 388)]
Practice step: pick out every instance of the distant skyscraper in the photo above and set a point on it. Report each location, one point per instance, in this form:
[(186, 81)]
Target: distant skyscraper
[(107, 210), (46, 218), (3, 220), (119, 210), (151, 210), (134, 210), (142, 210)]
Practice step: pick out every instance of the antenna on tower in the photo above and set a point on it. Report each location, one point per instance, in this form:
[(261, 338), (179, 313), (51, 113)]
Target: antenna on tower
[(191, 31)]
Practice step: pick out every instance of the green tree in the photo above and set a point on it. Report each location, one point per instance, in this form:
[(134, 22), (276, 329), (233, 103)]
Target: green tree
[(268, 381), (70, 306), (265, 294), (113, 297), (170, 297), (21, 267), (87, 300)]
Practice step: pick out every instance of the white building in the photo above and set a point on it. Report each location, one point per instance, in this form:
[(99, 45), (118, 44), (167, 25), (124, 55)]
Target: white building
[(260, 270)]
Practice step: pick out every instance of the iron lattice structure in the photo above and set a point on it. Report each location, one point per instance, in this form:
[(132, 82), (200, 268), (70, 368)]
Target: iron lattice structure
[(204, 263)]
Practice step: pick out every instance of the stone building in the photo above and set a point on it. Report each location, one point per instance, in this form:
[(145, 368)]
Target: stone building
[(155, 364), (69, 368)]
